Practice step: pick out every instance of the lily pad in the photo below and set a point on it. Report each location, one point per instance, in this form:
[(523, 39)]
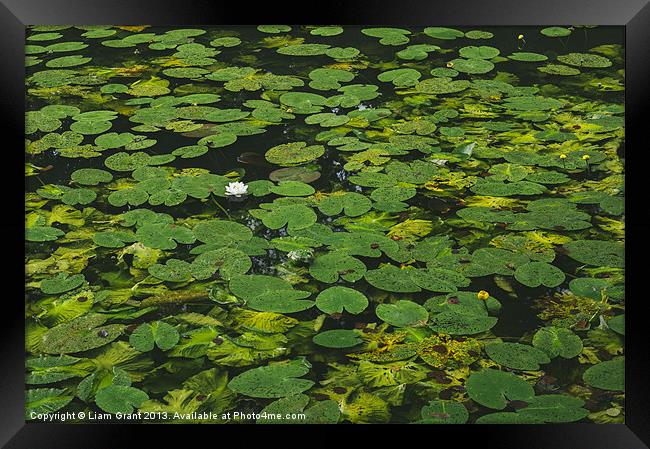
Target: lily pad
[(275, 380), (492, 388), (352, 203), (555, 31), (388, 36), (329, 267), (337, 338), (294, 153), (516, 355), (336, 299), (444, 412), (443, 33), (557, 341), (402, 314), (45, 400), (91, 176), (597, 252), (269, 294), (609, 375), (472, 66), (80, 334), (585, 60), (61, 283), (120, 399), (534, 274), (480, 52), (158, 333)]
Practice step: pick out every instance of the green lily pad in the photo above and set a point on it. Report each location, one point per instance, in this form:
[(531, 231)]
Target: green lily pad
[(472, 66), (441, 85), (534, 274), (68, 61), (190, 151), (274, 29), (555, 31), (400, 77), (158, 333), (533, 103), (275, 380), (292, 188), (304, 49), (61, 283), (558, 69), (443, 33), (80, 334), (322, 412), (416, 52), (597, 252), (294, 216), (492, 388), (617, 324), (336, 299), (388, 36), (527, 56), (329, 267), (402, 314), (294, 153), (351, 203), (557, 341), (164, 236), (327, 31), (42, 233), (478, 34), (609, 375), (337, 338), (120, 399), (45, 400), (173, 270), (481, 52), (91, 176), (444, 412), (554, 408), (269, 294), (392, 279), (461, 323), (585, 60), (229, 262), (342, 53), (516, 355), (302, 174)]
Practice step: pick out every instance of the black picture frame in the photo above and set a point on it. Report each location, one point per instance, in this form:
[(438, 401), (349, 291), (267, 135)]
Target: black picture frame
[(633, 14)]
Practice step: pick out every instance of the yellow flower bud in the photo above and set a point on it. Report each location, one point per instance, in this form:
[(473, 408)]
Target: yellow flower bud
[(520, 37), (450, 64), (585, 157), (483, 295), (562, 156)]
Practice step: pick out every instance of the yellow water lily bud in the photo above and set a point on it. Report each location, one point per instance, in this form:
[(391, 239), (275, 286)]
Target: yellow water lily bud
[(585, 157), (562, 156), (483, 295), (450, 64), (520, 37)]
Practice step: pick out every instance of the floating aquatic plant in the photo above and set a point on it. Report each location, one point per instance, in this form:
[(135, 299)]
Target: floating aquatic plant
[(345, 224)]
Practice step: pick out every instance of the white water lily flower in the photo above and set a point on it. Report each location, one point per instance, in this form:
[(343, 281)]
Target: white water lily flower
[(236, 189)]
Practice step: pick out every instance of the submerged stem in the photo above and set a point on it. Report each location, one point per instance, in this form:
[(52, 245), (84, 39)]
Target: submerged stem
[(221, 207)]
